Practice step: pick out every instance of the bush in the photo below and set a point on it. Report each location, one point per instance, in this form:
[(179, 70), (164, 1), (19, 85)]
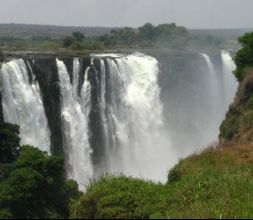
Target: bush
[(1, 56), (32, 183), (244, 57), (9, 142), (174, 175)]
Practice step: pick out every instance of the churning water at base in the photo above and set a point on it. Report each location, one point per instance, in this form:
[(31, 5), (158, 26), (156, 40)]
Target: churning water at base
[(75, 125), (22, 104)]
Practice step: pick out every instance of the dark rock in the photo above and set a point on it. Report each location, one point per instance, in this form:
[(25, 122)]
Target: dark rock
[(47, 75)]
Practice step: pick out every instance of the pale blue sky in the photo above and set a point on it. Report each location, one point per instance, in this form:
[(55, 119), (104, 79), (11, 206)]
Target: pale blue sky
[(111, 13)]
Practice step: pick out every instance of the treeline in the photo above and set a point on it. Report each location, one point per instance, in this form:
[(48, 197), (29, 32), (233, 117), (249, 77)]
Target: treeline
[(32, 183), (244, 57), (147, 36)]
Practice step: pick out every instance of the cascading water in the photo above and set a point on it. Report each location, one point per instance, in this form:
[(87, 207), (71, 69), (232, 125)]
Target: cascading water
[(116, 117), (231, 83), (75, 125), (216, 112), (136, 143), (22, 104), (221, 94)]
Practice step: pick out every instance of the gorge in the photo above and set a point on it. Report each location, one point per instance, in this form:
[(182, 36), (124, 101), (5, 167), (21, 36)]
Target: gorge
[(130, 113)]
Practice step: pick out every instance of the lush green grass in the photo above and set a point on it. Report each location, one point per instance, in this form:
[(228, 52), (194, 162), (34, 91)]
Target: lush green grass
[(215, 184)]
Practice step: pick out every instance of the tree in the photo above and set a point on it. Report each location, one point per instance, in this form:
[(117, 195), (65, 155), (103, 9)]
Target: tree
[(78, 36), (244, 57), (68, 41), (9, 142), (1, 56), (147, 31), (36, 187)]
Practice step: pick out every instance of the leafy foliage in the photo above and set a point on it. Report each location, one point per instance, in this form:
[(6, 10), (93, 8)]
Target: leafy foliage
[(239, 120), (1, 56), (244, 57), (147, 35), (79, 42), (32, 184), (9, 142)]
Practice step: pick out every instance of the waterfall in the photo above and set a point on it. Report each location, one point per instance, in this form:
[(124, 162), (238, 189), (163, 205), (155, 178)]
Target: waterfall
[(22, 104), (115, 117), (222, 87), (75, 125), (135, 141), (231, 83), (215, 98)]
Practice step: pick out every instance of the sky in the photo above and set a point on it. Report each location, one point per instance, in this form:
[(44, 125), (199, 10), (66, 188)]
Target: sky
[(213, 14)]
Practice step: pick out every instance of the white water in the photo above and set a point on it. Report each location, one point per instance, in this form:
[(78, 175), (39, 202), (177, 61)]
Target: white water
[(135, 140), (22, 105), (216, 115), (133, 123), (231, 83), (75, 122), (222, 91)]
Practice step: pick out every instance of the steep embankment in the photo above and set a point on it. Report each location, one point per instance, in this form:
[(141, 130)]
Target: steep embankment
[(214, 184), (237, 128)]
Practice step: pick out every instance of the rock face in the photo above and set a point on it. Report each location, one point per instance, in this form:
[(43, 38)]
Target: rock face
[(47, 75), (237, 127)]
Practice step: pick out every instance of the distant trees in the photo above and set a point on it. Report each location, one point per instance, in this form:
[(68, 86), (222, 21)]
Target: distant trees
[(244, 57), (32, 183), (147, 35), (79, 42), (1, 56)]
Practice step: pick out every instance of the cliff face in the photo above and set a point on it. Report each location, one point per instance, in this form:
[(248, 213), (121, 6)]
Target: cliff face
[(47, 76), (238, 125)]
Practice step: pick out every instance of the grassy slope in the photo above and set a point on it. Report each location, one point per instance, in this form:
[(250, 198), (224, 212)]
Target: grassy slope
[(215, 184)]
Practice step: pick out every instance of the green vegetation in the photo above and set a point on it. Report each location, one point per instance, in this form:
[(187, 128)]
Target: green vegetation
[(214, 184), (239, 120), (146, 36), (1, 56), (32, 183), (163, 35), (9, 143), (79, 42), (244, 57)]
